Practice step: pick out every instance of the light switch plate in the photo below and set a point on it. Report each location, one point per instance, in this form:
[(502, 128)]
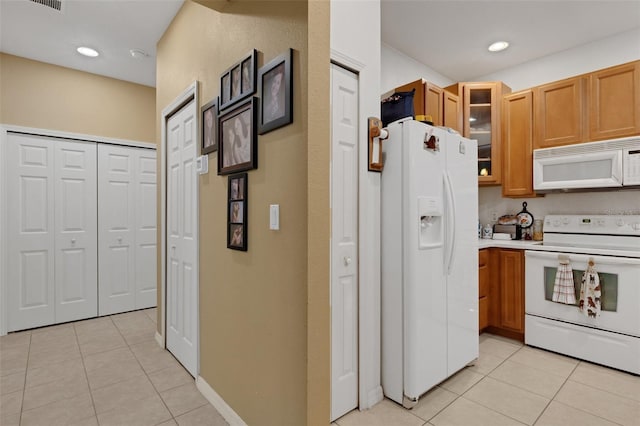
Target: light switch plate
[(202, 164), (274, 217)]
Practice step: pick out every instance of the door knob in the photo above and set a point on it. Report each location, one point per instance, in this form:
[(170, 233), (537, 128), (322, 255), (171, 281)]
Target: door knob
[(347, 261), (119, 240), (73, 241)]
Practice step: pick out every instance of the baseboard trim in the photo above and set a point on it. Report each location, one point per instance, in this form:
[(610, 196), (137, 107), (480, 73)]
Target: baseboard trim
[(375, 395), (219, 404), (159, 339)]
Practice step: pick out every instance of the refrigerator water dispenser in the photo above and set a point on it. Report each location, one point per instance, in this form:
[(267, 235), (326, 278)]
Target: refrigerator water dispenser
[(430, 217)]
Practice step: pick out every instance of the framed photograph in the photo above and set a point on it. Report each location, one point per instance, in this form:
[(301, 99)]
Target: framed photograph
[(276, 93), (238, 81), (225, 89), (237, 212), (238, 139), (210, 127)]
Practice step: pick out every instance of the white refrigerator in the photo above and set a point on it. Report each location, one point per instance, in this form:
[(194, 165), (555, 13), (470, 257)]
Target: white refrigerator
[(429, 258)]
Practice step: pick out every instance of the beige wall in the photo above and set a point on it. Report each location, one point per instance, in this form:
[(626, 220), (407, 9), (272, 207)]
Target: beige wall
[(254, 316), (319, 217), (35, 94)]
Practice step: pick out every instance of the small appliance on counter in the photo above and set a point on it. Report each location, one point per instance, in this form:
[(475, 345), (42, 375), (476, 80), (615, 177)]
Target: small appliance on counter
[(515, 231), (515, 224)]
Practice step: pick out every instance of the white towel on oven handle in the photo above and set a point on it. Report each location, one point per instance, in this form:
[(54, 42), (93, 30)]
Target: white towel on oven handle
[(564, 290), (590, 292)]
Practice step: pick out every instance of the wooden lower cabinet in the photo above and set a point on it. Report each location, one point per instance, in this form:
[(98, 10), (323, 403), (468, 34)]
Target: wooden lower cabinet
[(484, 280), (501, 278), (512, 290)]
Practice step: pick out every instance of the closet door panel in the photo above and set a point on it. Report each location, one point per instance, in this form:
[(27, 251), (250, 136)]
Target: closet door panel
[(76, 242), (30, 231), (146, 247), (116, 229)]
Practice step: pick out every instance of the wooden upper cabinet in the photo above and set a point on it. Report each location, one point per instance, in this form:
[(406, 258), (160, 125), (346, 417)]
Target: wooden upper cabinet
[(433, 102), (452, 110), (614, 102), (444, 107), (559, 113), (481, 105), (427, 99), (517, 144)]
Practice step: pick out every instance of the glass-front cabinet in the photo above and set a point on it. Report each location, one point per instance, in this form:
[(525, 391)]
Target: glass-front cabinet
[(481, 113)]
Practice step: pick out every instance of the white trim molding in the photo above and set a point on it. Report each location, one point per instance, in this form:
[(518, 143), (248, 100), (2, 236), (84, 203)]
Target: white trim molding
[(369, 386), (3, 240), (218, 403), (189, 94), (160, 340), (76, 136)]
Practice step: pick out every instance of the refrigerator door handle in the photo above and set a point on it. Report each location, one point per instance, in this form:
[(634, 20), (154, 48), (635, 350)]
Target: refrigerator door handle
[(451, 228)]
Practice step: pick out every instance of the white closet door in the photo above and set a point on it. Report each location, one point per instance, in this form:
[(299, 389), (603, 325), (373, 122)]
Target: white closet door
[(30, 223), (182, 243), (116, 229), (76, 251), (145, 255), (344, 241)]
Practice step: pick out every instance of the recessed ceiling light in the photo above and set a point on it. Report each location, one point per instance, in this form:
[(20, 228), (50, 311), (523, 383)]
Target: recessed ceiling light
[(87, 51), (498, 46)]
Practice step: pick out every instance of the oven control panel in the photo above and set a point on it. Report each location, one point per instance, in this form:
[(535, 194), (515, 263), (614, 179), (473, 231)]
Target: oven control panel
[(593, 224)]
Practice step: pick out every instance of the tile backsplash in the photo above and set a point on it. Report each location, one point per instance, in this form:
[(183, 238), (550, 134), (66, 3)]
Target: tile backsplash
[(492, 203)]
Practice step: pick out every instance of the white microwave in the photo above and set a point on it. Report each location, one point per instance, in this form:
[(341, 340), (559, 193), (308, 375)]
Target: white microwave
[(605, 164)]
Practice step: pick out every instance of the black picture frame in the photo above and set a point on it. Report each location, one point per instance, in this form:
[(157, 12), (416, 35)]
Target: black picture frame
[(276, 93), (238, 81), (237, 212), (238, 139), (209, 113)]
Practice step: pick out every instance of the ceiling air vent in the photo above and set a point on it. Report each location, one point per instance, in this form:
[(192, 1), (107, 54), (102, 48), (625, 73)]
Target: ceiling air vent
[(53, 4)]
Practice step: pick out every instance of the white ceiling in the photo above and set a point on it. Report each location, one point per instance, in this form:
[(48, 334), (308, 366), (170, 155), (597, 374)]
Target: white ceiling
[(112, 27), (450, 36)]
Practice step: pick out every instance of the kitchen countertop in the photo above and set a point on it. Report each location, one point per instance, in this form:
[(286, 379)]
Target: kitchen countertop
[(510, 244), (537, 245)]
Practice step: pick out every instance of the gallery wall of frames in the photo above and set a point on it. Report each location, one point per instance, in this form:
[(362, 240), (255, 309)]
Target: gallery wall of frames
[(252, 101)]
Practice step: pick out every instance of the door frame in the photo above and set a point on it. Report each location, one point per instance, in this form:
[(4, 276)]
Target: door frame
[(190, 94), (369, 386), (5, 129)]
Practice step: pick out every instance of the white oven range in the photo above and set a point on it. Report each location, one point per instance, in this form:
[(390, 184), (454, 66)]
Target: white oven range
[(612, 243)]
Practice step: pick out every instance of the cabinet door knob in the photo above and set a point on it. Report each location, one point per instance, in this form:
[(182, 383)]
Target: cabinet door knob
[(73, 241), (347, 261)]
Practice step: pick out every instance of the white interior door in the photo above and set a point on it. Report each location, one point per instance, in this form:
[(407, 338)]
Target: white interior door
[(182, 243), (76, 233), (145, 253), (344, 241), (116, 229), (30, 226)]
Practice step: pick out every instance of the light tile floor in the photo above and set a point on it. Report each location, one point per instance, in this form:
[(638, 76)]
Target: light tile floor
[(513, 384), (103, 371), (111, 371)]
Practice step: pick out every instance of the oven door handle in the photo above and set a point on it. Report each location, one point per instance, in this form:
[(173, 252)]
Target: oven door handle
[(603, 260)]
